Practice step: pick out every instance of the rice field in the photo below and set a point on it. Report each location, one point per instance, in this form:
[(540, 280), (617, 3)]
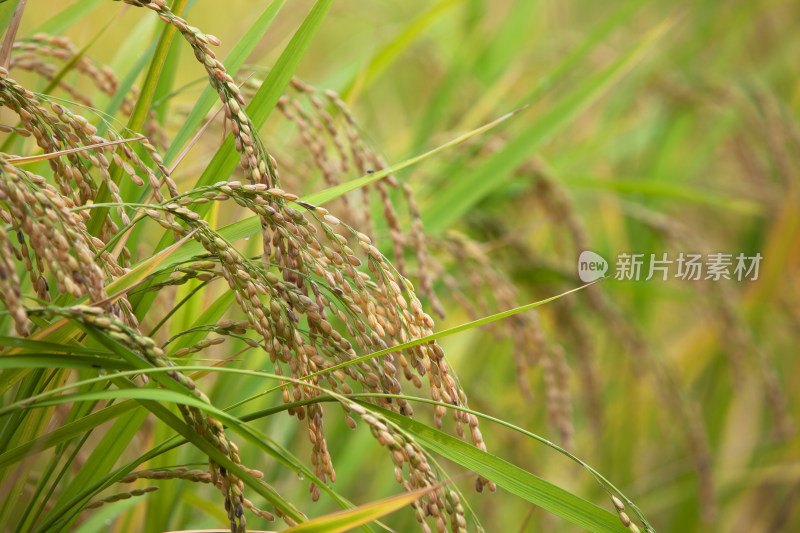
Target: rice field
[(455, 265)]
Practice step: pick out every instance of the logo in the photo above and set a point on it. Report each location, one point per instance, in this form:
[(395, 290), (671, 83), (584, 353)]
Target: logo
[(591, 266)]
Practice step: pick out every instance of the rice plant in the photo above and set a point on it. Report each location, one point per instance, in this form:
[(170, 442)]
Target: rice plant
[(225, 305)]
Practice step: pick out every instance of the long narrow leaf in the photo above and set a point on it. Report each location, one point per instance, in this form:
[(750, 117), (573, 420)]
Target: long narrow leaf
[(251, 225), (511, 478), (452, 202)]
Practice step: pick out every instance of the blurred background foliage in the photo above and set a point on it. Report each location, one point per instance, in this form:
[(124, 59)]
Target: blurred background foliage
[(648, 127)]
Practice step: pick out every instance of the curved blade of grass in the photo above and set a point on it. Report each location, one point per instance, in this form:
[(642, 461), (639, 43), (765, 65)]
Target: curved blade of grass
[(451, 203), (136, 393), (43, 346), (511, 478), (141, 367), (52, 360), (66, 432), (336, 191), (422, 340), (661, 189), (64, 19), (451, 331), (388, 54), (252, 225), (89, 422)]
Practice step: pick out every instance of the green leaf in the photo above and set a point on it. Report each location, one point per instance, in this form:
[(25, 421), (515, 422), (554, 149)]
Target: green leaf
[(509, 477), (428, 338), (667, 190), (144, 393), (166, 80), (126, 84), (252, 225), (65, 433), (100, 462), (66, 18), (452, 201), (336, 191), (148, 89), (53, 360), (35, 345)]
